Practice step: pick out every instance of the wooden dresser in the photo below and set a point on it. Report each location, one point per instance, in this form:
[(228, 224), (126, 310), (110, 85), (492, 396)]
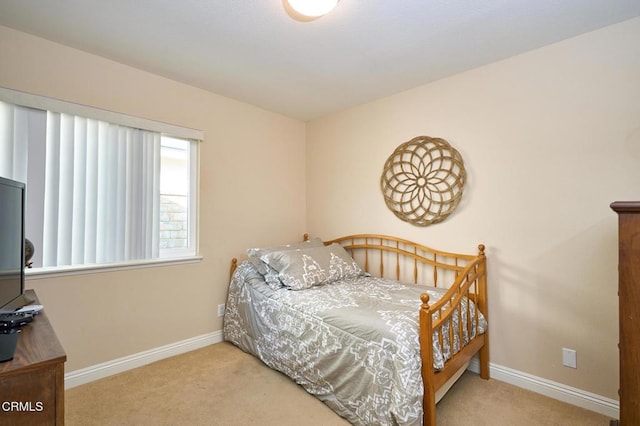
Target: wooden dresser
[(32, 383), (629, 305)]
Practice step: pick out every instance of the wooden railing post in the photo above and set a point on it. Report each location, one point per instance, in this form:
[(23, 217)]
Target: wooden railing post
[(483, 302), (426, 354)]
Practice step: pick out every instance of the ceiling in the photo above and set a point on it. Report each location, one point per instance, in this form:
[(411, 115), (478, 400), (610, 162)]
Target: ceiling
[(253, 51)]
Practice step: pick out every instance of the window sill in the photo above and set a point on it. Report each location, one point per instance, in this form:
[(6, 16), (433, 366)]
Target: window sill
[(63, 271)]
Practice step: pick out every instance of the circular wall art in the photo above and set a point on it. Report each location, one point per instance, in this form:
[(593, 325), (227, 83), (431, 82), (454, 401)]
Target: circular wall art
[(423, 180)]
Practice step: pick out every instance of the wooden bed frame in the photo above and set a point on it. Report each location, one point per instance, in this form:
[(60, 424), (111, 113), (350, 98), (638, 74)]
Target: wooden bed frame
[(464, 275)]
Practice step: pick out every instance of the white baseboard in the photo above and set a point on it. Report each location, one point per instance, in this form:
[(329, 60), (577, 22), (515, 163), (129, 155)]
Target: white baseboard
[(590, 401), (109, 368)]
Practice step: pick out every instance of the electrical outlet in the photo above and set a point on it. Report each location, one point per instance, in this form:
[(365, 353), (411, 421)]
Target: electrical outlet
[(221, 310), (569, 358)]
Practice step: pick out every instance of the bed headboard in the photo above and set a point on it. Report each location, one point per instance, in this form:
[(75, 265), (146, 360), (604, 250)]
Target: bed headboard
[(404, 260)]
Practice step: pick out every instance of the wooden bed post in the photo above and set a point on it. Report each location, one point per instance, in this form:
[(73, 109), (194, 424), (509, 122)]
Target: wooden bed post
[(482, 304), (426, 354), (234, 265)]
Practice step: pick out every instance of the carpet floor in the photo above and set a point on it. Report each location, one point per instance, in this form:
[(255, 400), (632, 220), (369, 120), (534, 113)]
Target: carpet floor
[(221, 385)]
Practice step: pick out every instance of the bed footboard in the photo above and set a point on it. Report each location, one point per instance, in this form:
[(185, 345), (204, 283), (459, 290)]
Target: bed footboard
[(470, 284)]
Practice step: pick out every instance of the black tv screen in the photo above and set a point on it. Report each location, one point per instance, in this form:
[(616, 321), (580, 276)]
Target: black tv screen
[(12, 201)]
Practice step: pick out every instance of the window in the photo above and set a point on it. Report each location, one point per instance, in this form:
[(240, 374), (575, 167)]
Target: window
[(101, 192), (174, 194)]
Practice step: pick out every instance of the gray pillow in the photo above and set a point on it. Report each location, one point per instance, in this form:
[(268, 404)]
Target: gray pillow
[(312, 266), (271, 275)]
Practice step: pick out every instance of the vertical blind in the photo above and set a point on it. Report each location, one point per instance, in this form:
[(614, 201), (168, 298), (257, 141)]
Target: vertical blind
[(14, 135), (93, 187)]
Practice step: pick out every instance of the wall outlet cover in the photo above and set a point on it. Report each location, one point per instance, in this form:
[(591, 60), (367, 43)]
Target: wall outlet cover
[(569, 358)]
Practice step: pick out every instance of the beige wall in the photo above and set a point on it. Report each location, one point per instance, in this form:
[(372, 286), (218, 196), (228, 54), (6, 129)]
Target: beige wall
[(251, 192), (550, 138)]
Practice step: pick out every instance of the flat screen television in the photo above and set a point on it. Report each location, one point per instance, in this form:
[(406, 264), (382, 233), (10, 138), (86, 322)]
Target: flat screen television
[(12, 205)]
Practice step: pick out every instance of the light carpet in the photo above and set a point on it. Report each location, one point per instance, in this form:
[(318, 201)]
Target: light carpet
[(221, 385)]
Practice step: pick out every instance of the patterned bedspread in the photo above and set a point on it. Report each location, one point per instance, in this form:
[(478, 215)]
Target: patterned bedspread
[(352, 343)]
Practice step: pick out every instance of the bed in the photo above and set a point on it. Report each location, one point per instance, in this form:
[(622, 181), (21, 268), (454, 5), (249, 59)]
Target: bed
[(377, 327)]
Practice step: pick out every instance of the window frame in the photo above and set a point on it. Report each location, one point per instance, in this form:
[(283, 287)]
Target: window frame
[(171, 257), (193, 248)]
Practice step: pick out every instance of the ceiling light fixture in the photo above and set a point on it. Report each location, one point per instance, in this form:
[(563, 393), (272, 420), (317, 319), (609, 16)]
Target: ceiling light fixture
[(312, 8)]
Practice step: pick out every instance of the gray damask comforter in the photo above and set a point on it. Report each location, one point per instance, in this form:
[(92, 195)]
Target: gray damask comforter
[(352, 343)]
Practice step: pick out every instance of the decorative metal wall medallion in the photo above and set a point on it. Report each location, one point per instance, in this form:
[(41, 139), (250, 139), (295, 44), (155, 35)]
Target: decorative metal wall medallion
[(423, 180)]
